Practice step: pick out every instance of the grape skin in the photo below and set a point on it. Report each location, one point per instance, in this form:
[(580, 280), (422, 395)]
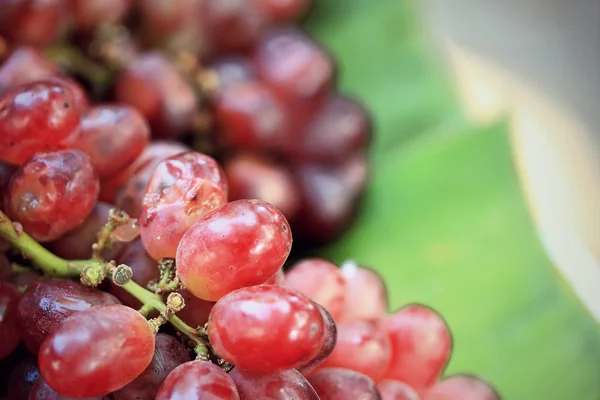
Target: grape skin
[(281, 385), (343, 384), (279, 318), (276, 279), (329, 342), (396, 390), (373, 300), (242, 243), (42, 391), (97, 351), (9, 336), (33, 22), (461, 387), (280, 11), (22, 379), (88, 15), (25, 65)]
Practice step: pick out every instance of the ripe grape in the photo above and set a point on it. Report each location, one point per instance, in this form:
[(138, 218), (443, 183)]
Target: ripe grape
[(362, 346), (47, 303), (250, 117), (196, 311), (231, 70), (276, 279), (167, 16), (372, 303), (25, 65), (396, 390), (279, 318), (6, 173), (152, 84), (22, 379), (113, 136), (421, 345), (280, 385), (97, 351), (343, 384), (242, 243), (42, 391), (42, 115), (461, 387), (182, 189), (320, 280), (168, 354), (198, 380), (283, 10), (53, 193), (35, 22), (9, 336), (252, 177), (88, 15), (81, 97), (329, 342)]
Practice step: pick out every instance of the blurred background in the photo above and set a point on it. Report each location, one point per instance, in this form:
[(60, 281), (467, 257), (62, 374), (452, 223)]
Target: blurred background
[(483, 202)]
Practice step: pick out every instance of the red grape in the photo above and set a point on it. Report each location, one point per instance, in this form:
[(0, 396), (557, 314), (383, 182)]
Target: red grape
[(198, 380), (53, 193), (343, 384), (9, 336), (276, 279), (280, 385), (152, 84), (396, 390), (246, 325), (196, 311), (5, 268), (167, 16), (243, 243), (328, 342), (97, 351), (461, 387), (35, 22), (22, 379), (421, 345), (25, 65), (372, 303), (168, 354), (252, 177), (283, 10), (232, 69), (42, 391), (47, 303), (182, 190), (362, 346), (113, 136), (42, 115), (81, 97), (88, 15), (249, 116), (320, 280)]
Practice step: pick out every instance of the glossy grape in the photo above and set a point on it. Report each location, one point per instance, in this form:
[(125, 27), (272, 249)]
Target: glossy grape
[(362, 346), (231, 70), (169, 353), (461, 387), (47, 303), (9, 336), (196, 311), (243, 243), (280, 318), (396, 390), (35, 22), (343, 384), (97, 351), (25, 65), (250, 117), (42, 115), (53, 193), (283, 10), (198, 380), (22, 379), (252, 177), (372, 303), (152, 84), (42, 391), (113, 136), (329, 342), (421, 345), (320, 280), (88, 15), (182, 190), (280, 385), (79, 93)]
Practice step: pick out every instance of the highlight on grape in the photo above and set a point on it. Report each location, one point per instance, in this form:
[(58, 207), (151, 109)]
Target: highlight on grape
[(157, 160)]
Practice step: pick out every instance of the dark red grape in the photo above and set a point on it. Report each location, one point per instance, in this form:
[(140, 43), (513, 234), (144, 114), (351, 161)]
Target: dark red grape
[(372, 303), (42, 115), (145, 269), (24, 279), (196, 311), (320, 280), (362, 346), (461, 387), (152, 84), (168, 354), (35, 22), (281, 385), (252, 177), (6, 173), (77, 244), (231, 69), (88, 15), (421, 346), (25, 65), (279, 318), (9, 336), (22, 379), (53, 193), (97, 351), (42, 391), (243, 243), (113, 136), (198, 380), (396, 390), (343, 384), (250, 117), (328, 342), (5, 269), (182, 190), (47, 303), (283, 10)]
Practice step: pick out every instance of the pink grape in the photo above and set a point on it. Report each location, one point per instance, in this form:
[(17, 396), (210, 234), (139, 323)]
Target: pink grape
[(461, 387), (343, 384), (281, 385), (25, 65), (396, 390), (329, 342), (276, 279), (372, 303)]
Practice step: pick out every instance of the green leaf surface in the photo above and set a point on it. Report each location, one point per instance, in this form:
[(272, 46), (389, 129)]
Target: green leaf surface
[(444, 220)]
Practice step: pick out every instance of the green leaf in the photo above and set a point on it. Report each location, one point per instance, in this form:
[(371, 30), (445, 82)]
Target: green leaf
[(444, 220)]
